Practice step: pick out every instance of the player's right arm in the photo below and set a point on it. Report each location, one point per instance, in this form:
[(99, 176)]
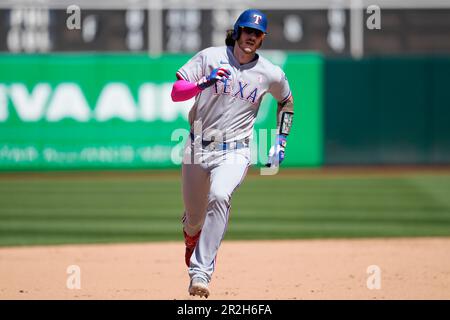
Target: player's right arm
[(184, 90), (192, 78)]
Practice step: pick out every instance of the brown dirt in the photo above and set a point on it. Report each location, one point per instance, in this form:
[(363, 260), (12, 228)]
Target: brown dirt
[(417, 268)]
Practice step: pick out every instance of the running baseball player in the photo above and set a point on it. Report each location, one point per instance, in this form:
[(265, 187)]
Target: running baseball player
[(229, 84)]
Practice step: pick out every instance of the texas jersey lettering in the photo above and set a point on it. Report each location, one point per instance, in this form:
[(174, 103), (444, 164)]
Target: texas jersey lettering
[(231, 106)]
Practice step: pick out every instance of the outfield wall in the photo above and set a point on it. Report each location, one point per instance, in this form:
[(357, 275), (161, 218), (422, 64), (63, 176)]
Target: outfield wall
[(387, 110), (115, 111)]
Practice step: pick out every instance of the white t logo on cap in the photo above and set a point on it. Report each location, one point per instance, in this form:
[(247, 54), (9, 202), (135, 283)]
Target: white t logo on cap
[(257, 18)]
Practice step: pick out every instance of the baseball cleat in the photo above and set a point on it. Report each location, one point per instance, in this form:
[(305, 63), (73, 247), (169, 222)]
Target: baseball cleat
[(190, 242), (198, 287)]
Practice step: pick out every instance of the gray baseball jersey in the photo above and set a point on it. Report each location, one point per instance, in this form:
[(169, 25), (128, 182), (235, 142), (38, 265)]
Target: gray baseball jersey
[(232, 106)]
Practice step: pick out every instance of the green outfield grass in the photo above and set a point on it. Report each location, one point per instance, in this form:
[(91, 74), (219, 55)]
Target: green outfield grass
[(129, 208)]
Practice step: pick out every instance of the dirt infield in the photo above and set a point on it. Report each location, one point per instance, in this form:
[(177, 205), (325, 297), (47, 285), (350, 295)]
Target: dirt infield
[(417, 268)]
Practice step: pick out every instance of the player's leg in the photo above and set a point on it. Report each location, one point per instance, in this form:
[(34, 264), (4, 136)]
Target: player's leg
[(224, 180), (195, 195)]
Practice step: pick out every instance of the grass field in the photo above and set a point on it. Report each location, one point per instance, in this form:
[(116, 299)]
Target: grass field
[(124, 207)]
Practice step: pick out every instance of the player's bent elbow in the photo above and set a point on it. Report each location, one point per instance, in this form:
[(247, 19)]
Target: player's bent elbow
[(175, 94), (183, 90)]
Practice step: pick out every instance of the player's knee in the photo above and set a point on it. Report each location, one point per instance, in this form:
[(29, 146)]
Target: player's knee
[(219, 196)]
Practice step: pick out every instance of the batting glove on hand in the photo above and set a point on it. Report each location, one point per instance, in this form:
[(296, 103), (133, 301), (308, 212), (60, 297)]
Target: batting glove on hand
[(218, 74), (276, 152)]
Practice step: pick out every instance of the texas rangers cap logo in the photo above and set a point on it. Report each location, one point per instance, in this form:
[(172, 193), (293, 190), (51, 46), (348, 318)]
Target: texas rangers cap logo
[(257, 18)]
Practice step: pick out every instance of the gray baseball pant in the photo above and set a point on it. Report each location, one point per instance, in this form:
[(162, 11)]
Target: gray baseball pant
[(207, 190)]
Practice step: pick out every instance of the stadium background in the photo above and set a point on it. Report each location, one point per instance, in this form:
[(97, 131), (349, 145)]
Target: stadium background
[(86, 120)]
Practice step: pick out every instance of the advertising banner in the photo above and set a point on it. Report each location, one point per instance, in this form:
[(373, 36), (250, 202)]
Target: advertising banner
[(115, 111)]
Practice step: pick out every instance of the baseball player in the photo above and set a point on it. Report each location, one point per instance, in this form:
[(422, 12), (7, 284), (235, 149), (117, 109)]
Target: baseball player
[(229, 84)]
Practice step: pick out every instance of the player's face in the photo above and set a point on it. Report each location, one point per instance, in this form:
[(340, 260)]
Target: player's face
[(250, 40)]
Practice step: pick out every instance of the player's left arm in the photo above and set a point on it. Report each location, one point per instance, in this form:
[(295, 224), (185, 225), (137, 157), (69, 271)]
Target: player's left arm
[(281, 91), (285, 114)]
